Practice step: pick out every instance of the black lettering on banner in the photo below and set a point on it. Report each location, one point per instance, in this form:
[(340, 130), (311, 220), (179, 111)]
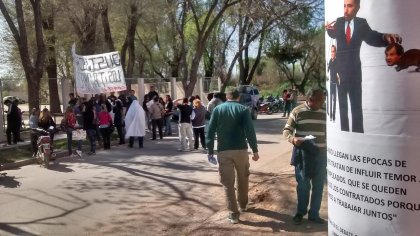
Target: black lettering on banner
[(337, 177), (343, 155), (376, 161), (399, 163), (404, 205), (388, 189), (365, 186), (376, 179), (349, 206), (354, 183), (364, 211), (379, 214), (340, 166), (361, 197), (367, 173), (116, 59), (98, 63), (400, 177)]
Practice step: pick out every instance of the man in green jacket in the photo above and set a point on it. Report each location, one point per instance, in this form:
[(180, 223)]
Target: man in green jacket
[(233, 125)]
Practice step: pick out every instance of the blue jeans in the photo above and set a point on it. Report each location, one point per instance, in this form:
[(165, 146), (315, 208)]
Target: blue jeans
[(168, 128), (69, 133), (304, 187), (91, 134)]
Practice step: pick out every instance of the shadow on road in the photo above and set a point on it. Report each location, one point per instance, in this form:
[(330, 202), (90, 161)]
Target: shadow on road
[(60, 167), (37, 197), (8, 181), (15, 231)]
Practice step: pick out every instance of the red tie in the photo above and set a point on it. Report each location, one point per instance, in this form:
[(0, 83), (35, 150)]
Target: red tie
[(348, 33)]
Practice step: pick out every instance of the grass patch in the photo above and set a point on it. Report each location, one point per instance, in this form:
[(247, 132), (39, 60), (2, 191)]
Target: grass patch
[(12, 155)]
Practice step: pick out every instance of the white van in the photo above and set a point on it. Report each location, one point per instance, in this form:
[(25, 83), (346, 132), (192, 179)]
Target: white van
[(249, 97)]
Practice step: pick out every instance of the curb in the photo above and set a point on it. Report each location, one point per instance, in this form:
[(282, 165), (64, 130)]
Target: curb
[(17, 164)]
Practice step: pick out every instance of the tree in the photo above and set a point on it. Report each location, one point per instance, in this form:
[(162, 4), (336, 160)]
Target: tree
[(304, 49), (83, 15), (48, 23), (259, 19), (132, 20), (211, 16), (32, 62)]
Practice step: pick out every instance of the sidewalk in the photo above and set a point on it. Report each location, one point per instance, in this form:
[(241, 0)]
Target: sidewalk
[(59, 152), (27, 143)]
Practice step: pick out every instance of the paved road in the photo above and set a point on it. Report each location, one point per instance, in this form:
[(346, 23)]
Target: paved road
[(130, 191)]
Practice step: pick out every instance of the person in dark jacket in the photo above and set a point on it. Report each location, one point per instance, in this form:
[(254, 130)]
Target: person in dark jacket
[(90, 125), (13, 122), (118, 120), (185, 129), (198, 124)]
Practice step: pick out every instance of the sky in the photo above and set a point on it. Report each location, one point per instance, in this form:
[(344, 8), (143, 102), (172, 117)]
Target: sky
[(3, 29)]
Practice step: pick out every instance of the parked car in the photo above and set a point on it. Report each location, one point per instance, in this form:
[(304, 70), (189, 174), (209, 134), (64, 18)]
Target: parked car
[(251, 90), (12, 98), (249, 97)]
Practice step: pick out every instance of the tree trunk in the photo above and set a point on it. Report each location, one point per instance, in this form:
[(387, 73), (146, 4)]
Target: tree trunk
[(88, 35), (128, 63), (85, 28), (33, 83), (107, 30), (51, 68), (251, 73)]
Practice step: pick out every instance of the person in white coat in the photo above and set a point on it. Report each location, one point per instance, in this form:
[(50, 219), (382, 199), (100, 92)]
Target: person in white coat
[(135, 124)]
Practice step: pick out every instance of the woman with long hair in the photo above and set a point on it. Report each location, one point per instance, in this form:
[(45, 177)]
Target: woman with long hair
[(199, 124), (46, 122)]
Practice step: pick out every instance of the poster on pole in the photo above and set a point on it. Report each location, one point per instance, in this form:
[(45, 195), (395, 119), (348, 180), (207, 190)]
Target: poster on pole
[(373, 136), (100, 73)]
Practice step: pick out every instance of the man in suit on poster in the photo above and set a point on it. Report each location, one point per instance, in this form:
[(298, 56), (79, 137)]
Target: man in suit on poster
[(332, 68), (350, 31)]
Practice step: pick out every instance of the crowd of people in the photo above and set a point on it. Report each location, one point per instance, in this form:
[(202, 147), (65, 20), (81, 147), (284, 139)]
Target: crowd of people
[(97, 118)]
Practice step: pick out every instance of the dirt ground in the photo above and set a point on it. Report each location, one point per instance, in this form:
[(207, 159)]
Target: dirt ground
[(270, 212), (272, 199)]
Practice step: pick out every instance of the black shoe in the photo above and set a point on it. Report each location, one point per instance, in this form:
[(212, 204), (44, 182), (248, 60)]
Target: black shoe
[(317, 220), (297, 219)]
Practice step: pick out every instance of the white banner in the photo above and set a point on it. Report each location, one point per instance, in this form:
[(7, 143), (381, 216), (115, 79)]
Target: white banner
[(99, 73), (373, 134)]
